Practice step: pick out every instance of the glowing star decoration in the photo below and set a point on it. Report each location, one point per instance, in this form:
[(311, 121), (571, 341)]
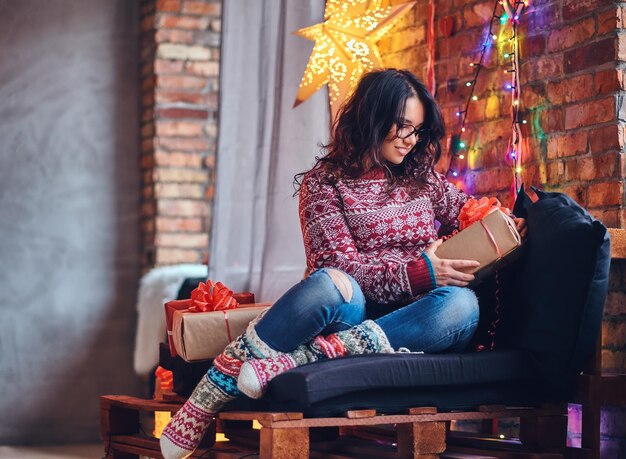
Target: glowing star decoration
[(345, 46)]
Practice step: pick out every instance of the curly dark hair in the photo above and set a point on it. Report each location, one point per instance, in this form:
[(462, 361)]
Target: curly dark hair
[(365, 120)]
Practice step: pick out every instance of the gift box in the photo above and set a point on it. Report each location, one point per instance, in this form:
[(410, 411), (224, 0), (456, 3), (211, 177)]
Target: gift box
[(493, 241), (203, 335), (205, 297)]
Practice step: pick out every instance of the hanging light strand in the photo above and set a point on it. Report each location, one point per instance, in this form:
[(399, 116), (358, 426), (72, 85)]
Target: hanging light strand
[(513, 15), (516, 132), (457, 143)]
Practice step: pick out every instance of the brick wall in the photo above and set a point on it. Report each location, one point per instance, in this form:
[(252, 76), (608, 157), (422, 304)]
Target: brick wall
[(573, 99), (180, 49), (571, 96)]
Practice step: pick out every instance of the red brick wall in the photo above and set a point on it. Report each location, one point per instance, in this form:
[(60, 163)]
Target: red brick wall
[(180, 69), (570, 86)]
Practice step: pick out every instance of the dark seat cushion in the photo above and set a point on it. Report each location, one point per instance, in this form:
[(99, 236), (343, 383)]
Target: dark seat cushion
[(393, 382), (331, 378)]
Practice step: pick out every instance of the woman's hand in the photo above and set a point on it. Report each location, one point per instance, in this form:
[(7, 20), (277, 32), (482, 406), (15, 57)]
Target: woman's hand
[(447, 271), (520, 224)]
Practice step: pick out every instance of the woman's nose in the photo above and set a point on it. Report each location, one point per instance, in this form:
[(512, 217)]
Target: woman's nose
[(410, 140)]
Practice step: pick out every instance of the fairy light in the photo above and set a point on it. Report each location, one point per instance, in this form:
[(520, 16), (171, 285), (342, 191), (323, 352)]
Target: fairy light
[(456, 143), (510, 14), (516, 133)]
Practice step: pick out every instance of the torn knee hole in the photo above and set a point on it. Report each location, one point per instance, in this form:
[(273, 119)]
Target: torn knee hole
[(342, 282)]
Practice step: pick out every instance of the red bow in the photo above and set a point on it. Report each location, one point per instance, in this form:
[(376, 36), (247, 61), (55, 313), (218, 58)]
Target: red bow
[(166, 377), (475, 210), (212, 297)]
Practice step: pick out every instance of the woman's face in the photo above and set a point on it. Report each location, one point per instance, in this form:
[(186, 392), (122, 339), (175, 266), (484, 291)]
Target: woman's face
[(395, 148)]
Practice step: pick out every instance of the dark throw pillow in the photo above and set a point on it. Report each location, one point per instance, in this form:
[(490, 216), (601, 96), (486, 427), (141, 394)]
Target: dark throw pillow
[(562, 283)]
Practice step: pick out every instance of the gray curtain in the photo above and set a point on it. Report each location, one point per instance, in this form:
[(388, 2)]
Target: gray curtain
[(256, 239)]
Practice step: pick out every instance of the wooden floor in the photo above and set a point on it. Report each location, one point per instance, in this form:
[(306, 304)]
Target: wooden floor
[(90, 451)]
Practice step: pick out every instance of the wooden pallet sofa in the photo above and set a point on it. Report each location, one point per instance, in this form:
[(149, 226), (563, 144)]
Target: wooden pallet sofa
[(331, 408)]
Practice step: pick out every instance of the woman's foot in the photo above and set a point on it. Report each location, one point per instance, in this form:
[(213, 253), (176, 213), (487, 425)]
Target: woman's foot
[(185, 430), (219, 386), (365, 338)]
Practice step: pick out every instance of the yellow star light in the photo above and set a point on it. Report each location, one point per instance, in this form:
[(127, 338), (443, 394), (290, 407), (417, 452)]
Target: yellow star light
[(345, 46)]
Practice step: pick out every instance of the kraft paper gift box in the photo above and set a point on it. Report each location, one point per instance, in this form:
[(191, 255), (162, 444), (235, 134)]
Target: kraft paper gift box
[(204, 335), (184, 304), (493, 241)]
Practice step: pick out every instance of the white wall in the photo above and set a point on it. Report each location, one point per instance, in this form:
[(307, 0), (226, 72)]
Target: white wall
[(69, 204)]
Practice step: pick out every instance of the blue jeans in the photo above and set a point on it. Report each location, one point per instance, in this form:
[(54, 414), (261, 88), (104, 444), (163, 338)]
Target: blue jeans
[(443, 320)]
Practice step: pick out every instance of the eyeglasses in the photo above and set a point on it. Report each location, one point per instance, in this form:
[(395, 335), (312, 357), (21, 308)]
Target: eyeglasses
[(405, 131)]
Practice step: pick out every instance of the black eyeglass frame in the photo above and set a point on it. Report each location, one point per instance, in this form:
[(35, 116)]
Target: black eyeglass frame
[(421, 133)]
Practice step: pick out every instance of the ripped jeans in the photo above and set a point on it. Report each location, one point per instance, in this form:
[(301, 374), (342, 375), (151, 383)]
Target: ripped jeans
[(330, 300)]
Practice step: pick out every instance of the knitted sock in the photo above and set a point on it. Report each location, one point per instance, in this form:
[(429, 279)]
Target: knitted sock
[(219, 386), (365, 338)]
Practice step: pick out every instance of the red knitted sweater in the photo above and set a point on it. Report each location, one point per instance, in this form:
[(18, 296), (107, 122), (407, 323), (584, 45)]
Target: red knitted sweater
[(356, 226)]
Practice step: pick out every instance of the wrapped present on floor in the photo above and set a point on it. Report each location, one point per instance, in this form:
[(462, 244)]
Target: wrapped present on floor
[(488, 235), (199, 328)]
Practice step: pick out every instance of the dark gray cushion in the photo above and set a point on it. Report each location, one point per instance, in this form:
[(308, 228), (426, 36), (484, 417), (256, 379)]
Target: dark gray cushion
[(394, 373)]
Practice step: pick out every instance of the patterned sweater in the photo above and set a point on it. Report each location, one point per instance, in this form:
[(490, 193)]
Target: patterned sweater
[(377, 238)]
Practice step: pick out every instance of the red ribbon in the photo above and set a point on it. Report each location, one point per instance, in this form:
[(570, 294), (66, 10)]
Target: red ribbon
[(230, 338), (206, 297), (476, 209), (493, 239), (212, 297)]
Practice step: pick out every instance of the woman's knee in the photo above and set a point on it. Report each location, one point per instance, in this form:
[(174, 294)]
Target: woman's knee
[(462, 304), (343, 282)]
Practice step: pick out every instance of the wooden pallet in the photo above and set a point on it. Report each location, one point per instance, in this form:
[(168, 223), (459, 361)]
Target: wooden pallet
[(420, 433)]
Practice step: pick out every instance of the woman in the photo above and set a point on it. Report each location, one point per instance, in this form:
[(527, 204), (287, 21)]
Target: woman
[(368, 210)]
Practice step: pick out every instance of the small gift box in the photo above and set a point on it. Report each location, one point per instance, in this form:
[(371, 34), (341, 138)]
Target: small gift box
[(488, 236), (204, 335), (205, 297), (199, 328)]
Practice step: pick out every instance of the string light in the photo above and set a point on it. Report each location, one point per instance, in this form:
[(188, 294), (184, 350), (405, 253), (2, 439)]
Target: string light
[(511, 14), (456, 143)]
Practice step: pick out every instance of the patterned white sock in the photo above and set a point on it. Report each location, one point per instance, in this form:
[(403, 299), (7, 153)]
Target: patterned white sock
[(365, 338), (185, 430), (219, 386)]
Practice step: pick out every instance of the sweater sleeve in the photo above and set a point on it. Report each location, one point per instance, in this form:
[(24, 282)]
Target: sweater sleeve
[(328, 242), (447, 208)]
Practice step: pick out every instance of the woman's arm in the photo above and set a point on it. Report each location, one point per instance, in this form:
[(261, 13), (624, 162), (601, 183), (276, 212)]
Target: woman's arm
[(447, 208)]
